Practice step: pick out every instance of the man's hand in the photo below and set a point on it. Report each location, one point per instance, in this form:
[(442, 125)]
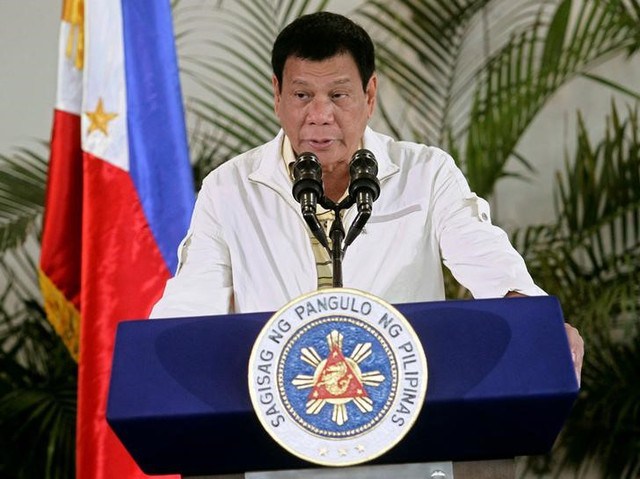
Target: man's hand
[(576, 345)]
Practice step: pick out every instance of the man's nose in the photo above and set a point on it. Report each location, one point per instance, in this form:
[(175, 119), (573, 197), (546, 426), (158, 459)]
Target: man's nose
[(320, 111)]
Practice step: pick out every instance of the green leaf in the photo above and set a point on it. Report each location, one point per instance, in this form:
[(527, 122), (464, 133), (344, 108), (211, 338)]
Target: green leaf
[(590, 259), (22, 185)]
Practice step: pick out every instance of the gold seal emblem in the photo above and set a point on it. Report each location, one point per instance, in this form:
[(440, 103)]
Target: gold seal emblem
[(337, 377)]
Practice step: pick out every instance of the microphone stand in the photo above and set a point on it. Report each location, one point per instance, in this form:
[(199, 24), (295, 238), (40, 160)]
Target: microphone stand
[(337, 234), (364, 189)]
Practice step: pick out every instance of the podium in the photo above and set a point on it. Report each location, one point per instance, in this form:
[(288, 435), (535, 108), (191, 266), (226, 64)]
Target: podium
[(501, 384)]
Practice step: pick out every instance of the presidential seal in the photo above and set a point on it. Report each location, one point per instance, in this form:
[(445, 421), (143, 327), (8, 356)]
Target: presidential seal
[(337, 377)]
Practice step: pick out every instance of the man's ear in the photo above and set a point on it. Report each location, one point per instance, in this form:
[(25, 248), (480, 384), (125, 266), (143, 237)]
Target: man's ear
[(276, 93), (371, 92)]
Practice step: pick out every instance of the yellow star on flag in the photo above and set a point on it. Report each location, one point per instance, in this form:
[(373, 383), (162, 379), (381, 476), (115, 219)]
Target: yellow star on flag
[(99, 118)]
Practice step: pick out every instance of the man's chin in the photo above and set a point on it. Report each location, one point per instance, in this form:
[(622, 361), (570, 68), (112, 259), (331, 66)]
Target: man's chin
[(329, 165)]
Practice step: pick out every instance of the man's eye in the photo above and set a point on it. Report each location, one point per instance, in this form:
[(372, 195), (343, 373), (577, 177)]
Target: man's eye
[(301, 95)]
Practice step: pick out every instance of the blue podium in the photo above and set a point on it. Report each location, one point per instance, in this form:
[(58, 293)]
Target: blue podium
[(501, 384)]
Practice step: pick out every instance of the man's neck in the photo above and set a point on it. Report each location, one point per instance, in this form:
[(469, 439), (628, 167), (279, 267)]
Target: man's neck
[(336, 182)]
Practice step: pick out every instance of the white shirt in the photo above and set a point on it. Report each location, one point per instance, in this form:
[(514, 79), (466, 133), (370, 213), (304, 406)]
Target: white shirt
[(248, 247)]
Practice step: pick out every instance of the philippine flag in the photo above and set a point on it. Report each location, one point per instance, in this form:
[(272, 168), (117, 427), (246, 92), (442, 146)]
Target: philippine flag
[(119, 196)]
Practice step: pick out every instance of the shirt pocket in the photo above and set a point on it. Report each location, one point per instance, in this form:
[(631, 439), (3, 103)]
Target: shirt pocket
[(394, 215), (403, 225)]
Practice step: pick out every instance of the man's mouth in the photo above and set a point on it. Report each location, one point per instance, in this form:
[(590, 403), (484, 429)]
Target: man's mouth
[(319, 143)]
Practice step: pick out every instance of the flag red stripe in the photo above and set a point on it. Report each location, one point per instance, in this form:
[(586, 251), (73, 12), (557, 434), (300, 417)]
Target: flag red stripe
[(123, 276), (60, 254)]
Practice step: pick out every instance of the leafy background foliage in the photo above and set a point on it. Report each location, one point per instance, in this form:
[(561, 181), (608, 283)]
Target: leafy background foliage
[(589, 258), (471, 76)]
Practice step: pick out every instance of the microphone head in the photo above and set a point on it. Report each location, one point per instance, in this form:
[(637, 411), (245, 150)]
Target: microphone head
[(363, 169), (307, 176)]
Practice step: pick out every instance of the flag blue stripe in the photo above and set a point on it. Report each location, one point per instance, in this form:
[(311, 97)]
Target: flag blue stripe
[(158, 148)]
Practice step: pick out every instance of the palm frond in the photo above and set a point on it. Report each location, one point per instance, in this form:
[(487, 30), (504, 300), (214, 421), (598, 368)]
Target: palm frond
[(37, 397), (597, 235), (522, 78), (590, 259), (615, 86), (605, 423), (419, 46), (22, 183), (474, 75)]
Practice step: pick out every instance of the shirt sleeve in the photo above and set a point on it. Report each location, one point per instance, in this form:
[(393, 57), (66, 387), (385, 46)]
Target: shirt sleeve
[(478, 253), (202, 284)]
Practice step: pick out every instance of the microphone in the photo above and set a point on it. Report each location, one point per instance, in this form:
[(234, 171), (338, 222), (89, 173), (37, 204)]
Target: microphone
[(307, 190), (364, 188)]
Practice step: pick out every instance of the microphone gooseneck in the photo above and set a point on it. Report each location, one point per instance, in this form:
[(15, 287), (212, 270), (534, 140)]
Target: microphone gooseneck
[(364, 188)]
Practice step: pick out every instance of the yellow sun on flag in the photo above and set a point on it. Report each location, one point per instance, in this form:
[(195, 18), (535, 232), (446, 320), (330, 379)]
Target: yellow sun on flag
[(73, 13), (100, 119)]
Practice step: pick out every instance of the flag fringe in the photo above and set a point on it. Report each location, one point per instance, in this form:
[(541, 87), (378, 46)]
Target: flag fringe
[(62, 314)]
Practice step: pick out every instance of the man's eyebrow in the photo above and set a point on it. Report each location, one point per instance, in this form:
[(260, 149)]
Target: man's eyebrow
[(339, 81)]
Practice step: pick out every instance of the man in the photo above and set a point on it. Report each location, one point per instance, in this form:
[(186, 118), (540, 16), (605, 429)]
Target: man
[(248, 247)]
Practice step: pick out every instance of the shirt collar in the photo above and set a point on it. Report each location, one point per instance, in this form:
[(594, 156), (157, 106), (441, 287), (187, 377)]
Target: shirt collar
[(288, 156)]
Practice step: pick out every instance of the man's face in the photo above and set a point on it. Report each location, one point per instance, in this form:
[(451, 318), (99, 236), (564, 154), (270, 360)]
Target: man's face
[(322, 107)]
